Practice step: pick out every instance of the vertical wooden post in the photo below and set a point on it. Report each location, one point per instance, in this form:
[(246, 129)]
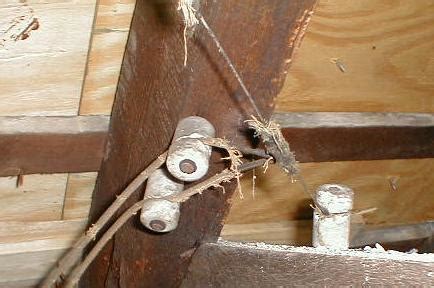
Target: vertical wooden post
[(155, 90)]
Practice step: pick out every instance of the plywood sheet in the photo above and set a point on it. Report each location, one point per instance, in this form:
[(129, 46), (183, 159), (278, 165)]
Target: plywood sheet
[(385, 47), (105, 57), (401, 190), (42, 69), (78, 195), (37, 198)]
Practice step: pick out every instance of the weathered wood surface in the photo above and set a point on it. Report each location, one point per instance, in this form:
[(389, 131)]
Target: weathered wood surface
[(388, 185), (33, 233), (310, 120), (43, 53), (78, 195), (38, 198), (109, 37), (51, 144), (386, 48), (75, 144), (155, 91), (227, 264), (325, 136), (352, 144), (29, 249), (299, 233)]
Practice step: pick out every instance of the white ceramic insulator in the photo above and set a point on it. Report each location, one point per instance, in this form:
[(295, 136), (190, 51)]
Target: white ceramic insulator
[(333, 229), (157, 214), (187, 147)]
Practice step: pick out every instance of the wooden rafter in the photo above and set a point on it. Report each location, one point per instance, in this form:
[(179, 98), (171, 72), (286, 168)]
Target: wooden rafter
[(156, 90)]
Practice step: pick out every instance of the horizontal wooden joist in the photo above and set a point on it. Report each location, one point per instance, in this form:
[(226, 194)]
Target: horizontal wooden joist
[(31, 145), (39, 144), (229, 264), (341, 136)]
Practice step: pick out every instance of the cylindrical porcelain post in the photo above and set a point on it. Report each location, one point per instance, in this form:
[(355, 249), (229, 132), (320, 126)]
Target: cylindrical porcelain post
[(332, 227), (157, 214), (188, 158)]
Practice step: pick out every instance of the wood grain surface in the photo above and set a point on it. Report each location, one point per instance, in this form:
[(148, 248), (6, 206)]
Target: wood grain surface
[(369, 143), (45, 197), (299, 233), (401, 190), (227, 264), (155, 90), (51, 144), (78, 195), (39, 197), (109, 37), (42, 67), (29, 249), (386, 49)]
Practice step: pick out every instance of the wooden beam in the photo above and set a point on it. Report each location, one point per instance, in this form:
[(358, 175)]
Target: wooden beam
[(32, 145), (227, 264), (156, 90), (352, 119), (75, 144), (299, 233), (338, 136)]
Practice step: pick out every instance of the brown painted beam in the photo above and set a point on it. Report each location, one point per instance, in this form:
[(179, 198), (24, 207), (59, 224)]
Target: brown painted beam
[(351, 144), (31, 145), (155, 91), (229, 264), (324, 136)]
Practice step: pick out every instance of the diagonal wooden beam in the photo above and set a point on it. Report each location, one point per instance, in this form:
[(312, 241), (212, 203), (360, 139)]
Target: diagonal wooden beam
[(155, 91)]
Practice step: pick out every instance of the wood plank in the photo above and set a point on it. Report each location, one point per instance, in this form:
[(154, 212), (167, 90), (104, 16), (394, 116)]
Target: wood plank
[(109, 38), (27, 269), (48, 61), (51, 144), (227, 264), (299, 233), (155, 91), (15, 232), (401, 190), (78, 195), (343, 136), (352, 144), (387, 49), (75, 144), (29, 249), (367, 235), (40, 197), (310, 120)]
